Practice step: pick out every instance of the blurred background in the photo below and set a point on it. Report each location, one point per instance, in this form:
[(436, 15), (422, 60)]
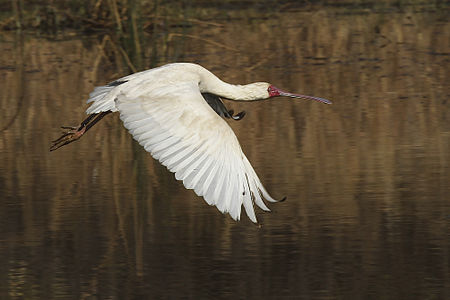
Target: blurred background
[(367, 179)]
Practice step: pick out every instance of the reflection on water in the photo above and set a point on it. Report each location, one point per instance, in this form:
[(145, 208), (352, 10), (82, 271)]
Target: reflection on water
[(368, 210)]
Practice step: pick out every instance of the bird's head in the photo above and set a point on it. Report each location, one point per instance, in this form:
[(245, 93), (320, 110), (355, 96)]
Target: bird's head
[(276, 92), (259, 91)]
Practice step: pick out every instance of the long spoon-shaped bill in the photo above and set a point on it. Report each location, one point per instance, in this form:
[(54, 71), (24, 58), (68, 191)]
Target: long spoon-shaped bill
[(326, 101), (273, 92)]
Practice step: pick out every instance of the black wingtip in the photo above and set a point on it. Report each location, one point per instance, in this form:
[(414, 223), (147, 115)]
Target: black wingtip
[(284, 199), (239, 116), (116, 83)]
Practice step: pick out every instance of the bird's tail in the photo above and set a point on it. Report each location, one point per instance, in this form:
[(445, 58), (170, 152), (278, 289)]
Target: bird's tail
[(102, 98)]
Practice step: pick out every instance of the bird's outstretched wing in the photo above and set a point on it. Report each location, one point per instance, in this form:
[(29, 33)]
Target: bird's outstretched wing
[(178, 128)]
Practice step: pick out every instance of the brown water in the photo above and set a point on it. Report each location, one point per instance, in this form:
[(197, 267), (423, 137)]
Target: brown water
[(367, 179)]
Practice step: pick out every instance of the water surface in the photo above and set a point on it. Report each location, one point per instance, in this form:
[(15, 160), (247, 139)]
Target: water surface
[(367, 179)]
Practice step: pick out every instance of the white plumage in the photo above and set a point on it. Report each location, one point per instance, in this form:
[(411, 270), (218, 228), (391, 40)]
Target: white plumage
[(165, 111)]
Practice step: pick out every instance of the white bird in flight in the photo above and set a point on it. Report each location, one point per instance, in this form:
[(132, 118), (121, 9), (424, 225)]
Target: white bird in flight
[(175, 112)]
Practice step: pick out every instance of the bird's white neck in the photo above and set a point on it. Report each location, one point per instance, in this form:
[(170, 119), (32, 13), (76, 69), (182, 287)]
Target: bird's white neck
[(209, 83)]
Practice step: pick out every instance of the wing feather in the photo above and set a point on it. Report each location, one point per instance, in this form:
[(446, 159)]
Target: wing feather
[(184, 133)]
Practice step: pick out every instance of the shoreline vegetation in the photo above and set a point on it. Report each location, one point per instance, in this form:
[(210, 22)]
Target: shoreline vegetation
[(131, 16), (135, 33)]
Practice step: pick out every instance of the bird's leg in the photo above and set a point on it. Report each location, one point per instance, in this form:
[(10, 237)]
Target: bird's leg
[(74, 133)]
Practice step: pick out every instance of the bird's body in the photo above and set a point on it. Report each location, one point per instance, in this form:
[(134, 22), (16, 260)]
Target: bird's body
[(169, 79), (166, 112)]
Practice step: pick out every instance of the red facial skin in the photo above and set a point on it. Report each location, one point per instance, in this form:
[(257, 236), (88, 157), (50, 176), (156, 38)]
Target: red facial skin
[(273, 91)]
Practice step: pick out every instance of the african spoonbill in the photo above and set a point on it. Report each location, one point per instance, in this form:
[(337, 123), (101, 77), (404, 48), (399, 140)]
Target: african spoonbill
[(175, 112)]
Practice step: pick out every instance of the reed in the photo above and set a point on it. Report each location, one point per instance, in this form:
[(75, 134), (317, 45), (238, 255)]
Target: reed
[(122, 15)]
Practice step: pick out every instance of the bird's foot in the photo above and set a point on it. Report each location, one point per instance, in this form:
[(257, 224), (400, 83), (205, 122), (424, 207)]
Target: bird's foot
[(73, 134)]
